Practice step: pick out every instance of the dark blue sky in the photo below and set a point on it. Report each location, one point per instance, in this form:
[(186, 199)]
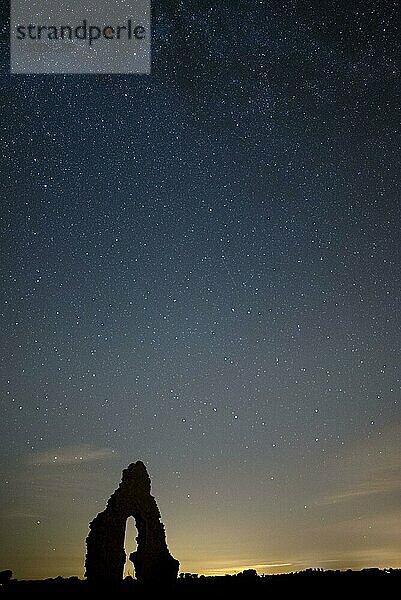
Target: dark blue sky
[(201, 271)]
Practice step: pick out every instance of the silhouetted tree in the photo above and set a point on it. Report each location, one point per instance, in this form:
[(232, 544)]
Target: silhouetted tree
[(5, 576), (248, 573)]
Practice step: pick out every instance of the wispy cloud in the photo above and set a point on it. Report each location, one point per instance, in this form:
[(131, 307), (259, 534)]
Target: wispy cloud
[(19, 514), (361, 490), (368, 469), (69, 455), (230, 570)]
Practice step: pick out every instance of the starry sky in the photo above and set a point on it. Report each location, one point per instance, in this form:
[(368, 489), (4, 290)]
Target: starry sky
[(200, 269)]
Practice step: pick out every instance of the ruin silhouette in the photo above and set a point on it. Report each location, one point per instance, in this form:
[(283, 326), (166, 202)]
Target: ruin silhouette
[(105, 556)]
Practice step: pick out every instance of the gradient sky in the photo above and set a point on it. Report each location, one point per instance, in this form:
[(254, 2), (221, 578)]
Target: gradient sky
[(200, 269)]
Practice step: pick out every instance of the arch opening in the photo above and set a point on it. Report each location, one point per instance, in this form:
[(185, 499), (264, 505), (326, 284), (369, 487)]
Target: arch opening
[(130, 545)]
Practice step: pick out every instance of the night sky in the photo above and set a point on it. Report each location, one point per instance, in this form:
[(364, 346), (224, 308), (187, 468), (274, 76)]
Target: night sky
[(200, 269)]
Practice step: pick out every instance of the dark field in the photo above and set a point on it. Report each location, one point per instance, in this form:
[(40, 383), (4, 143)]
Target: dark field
[(242, 585)]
